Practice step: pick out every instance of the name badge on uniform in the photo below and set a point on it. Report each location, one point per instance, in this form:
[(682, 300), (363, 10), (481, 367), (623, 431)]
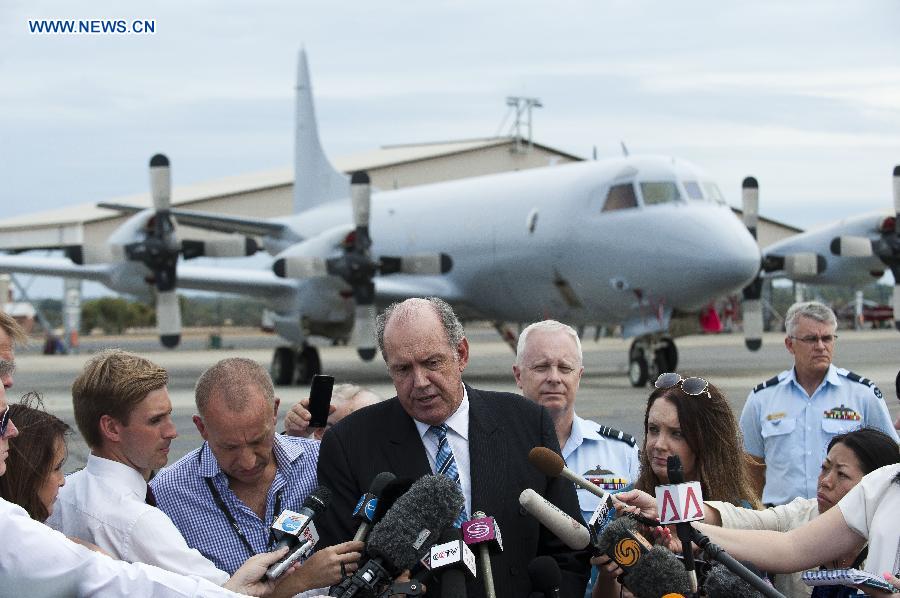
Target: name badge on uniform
[(843, 413), (776, 418)]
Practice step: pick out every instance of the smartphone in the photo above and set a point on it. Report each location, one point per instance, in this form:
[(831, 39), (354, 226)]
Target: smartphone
[(320, 400)]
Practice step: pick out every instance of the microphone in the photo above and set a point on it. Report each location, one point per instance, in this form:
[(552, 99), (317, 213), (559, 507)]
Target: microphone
[(722, 583), (482, 531), (450, 552), (650, 571), (297, 531), (683, 527), (365, 509), (545, 576), (551, 464), (571, 532), (413, 522)]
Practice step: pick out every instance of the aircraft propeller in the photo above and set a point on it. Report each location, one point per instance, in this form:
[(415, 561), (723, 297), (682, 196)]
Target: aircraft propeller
[(886, 247), (358, 268)]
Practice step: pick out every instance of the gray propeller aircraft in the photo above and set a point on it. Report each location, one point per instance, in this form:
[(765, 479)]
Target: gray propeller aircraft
[(634, 241), (854, 251)]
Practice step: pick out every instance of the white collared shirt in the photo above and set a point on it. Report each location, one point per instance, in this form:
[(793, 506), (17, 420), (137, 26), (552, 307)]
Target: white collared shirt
[(37, 562), (458, 437), (104, 504)]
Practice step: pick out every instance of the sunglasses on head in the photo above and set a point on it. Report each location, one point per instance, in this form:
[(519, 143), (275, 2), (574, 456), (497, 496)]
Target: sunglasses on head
[(4, 422), (693, 386)]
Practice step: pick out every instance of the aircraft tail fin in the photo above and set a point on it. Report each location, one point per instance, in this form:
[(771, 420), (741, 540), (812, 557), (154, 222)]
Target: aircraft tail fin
[(316, 181)]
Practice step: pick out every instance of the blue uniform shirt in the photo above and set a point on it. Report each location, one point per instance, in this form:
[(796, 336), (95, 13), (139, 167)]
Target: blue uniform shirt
[(791, 430)]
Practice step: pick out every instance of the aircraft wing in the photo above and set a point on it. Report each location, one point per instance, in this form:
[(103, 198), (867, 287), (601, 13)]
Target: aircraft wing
[(63, 267), (241, 281), (207, 221)]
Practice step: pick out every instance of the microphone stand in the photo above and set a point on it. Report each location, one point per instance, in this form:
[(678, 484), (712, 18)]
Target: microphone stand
[(717, 553)]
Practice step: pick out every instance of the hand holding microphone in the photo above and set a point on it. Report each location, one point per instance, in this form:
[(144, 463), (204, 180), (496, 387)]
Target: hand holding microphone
[(297, 531)]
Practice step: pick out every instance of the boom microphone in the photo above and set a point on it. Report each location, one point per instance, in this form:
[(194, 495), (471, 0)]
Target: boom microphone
[(297, 531), (396, 542), (549, 463), (571, 532), (365, 509), (545, 576)]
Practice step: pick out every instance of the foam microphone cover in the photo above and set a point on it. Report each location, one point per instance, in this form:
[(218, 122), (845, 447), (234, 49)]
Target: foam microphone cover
[(432, 503), (318, 500), (615, 531), (544, 574), (657, 573), (722, 583), (547, 461)]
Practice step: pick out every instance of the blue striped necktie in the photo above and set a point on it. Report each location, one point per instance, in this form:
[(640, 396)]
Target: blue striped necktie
[(446, 464)]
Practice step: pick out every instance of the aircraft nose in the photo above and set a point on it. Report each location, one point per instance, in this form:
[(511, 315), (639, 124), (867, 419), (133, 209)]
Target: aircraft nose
[(732, 256)]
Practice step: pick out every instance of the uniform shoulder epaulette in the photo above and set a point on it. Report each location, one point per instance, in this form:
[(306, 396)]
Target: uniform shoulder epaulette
[(854, 377), (617, 435), (770, 382)]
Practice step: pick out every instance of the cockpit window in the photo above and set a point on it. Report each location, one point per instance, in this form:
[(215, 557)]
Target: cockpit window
[(620, 197), (693, 190), (661, 192), (712, 192)]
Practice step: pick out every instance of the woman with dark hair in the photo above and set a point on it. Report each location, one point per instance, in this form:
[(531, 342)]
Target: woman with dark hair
[(36, 457), (691, 418)]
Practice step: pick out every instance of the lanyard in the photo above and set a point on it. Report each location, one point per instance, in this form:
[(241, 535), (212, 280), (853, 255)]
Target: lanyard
[(231, 520)]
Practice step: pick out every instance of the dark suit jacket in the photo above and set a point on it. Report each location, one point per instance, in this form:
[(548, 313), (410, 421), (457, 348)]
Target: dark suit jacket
[(503, 427)]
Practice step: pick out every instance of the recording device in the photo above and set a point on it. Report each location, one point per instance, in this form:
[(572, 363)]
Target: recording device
[(602, 516), (407, 529), (571, 532), (320, 400), (650, 571), (676, 478), (552, 465), (482, 532), (545, 576), (296, 530), (367, 507)]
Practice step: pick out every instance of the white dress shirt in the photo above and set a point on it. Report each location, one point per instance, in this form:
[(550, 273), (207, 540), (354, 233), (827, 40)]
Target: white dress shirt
[(458, 438), (37, 562), (104, 504)]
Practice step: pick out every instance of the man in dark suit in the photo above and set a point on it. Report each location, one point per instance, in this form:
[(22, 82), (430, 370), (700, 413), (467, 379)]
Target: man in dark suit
[(490, 434)]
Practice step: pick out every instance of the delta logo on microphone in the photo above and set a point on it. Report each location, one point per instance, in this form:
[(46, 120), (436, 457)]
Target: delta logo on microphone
[(482, 529), (679, 503)]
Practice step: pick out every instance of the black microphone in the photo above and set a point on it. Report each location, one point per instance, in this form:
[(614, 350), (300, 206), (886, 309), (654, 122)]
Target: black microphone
[(396, 542), (365, 509), (722, 583), (650, 571), (545, 576), (482, 531), (676, 476), (296, 530)]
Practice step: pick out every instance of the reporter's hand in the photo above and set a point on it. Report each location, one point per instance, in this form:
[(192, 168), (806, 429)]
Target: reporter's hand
[(636, 501), (251, 578), (891, 579), (322, 569), (296, 422)]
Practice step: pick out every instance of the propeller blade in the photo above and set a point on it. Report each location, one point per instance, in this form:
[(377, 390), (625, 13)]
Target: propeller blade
[(750, 203), (233, 246), (804, 264), (897, 198), (160, 182), (849, 246), (753, 323), (300, 267), (168, 318), (440, 263), (361, 196), (364, 332)]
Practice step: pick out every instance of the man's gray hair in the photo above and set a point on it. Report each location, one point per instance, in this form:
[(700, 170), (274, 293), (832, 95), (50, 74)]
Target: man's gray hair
[(228, 379), (546, 326), (808, 309), (452, 328)]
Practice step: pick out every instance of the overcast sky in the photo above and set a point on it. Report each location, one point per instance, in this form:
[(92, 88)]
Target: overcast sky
[(803, 95)]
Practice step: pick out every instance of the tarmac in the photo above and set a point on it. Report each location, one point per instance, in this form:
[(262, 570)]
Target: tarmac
[(605, 394)]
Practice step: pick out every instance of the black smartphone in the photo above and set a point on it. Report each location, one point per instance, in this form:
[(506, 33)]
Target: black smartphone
[(320, 400)]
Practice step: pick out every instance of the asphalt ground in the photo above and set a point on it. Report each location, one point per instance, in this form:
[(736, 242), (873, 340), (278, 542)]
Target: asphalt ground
[(605, 393)]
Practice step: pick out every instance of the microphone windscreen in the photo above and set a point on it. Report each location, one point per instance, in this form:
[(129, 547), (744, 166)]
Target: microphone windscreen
[(571, 532), (617, 529), (380, 482), (722, 583), (318, 500), (657, 573), (546, 461), (391, 492), (544, 574), (415, 520)]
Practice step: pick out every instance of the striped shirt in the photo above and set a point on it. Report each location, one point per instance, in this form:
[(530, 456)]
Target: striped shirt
[(183, 493)]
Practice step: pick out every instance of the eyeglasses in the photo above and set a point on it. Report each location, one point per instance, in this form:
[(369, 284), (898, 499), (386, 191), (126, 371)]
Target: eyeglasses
[(693, 386), (4, 422), (812, 339)]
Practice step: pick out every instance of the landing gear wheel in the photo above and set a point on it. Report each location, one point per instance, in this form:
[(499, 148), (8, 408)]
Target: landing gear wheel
[(282, 368), (308, 364), (638, 370), (669, 353)]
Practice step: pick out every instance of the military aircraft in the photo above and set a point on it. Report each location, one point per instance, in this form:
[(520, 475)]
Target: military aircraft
[(633, 241), (854, 251)]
